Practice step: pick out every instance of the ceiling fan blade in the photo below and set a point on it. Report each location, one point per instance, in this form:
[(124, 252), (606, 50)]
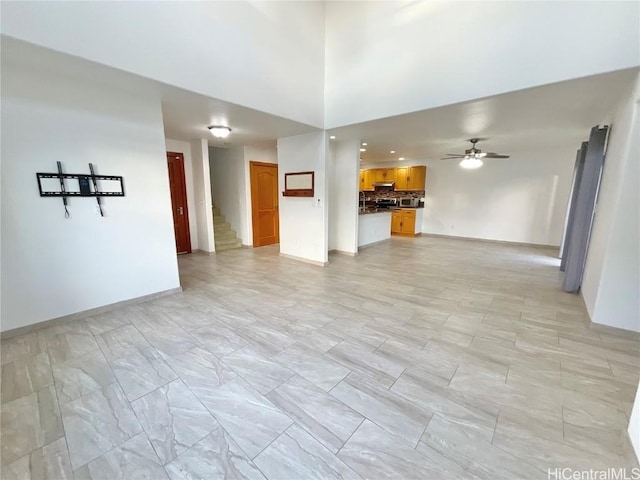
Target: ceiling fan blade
[(455, 154), (495, 155), (452, 157)]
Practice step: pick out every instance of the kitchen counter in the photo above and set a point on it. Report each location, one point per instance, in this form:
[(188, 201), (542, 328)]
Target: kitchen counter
[(374, 227)]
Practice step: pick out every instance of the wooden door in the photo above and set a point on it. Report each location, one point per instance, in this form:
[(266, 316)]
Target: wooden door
[(379, 174), (362, 179), (389, 174), (178, 188), (401, 178), (417, 178), (264, 203)]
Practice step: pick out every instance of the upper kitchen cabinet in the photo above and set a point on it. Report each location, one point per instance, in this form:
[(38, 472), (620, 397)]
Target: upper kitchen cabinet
[(385, 175), (417, 178), (402, 175), (367, 178)]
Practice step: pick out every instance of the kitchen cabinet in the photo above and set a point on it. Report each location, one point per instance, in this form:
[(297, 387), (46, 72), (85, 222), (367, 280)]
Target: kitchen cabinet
[(417, 178), (369, 179), (403, 222), (402, 174), (385, 175)]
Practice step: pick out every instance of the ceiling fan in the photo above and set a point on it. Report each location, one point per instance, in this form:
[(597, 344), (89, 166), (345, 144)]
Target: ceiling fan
[(472, 157)]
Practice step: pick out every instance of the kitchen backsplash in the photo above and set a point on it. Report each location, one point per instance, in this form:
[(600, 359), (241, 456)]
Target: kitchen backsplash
[(372, 196)]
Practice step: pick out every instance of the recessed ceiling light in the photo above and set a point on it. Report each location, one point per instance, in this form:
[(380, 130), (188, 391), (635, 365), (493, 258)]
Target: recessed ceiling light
[(364, 144), (363, 149), (332, 137), (219, 131), (401, 158), (392, 151)]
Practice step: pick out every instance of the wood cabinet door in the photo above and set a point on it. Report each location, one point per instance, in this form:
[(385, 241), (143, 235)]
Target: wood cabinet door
[(369, 178), (417, 178), (408, 222), (396, 222), (379, 174), (401, 175), (389, 174), (362, 184)]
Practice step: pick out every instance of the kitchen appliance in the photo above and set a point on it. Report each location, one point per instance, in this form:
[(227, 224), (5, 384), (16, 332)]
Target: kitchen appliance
[(409, 202), (383, 185), (386, 202)]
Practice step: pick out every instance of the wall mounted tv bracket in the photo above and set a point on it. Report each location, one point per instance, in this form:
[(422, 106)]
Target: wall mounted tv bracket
[(85, 182)]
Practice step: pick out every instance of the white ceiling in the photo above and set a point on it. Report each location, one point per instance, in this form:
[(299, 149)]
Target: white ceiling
[(550, 116), (553, 115)]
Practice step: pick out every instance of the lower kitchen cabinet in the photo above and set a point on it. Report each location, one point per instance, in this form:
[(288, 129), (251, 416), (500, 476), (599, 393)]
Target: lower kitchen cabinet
[(406, 222)]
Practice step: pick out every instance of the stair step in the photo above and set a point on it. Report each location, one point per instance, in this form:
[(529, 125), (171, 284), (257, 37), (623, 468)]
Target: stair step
[(224, 235), (221, 227), (228, 245), (219, 219)]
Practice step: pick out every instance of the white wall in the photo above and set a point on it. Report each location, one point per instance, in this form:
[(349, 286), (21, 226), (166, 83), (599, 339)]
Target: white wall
[(411, 56), (185, 148), (254, 154), (344, 166), (304, 221), (202, 193), (264, 55), (52, 266), (611, 282), (229, 187)]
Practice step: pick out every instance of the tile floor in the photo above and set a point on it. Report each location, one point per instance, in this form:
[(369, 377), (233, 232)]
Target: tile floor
[(420, 358)]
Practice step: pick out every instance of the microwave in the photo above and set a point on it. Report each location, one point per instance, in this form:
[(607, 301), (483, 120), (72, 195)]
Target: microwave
[(410, 202)]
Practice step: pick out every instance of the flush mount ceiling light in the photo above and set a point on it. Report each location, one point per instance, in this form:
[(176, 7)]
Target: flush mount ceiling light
[(363, 149), (332, 137), (219, 131), (364, 144), (401, 158), (392, 151)]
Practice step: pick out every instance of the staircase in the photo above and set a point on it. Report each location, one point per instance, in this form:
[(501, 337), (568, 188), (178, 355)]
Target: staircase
[(225, 238)]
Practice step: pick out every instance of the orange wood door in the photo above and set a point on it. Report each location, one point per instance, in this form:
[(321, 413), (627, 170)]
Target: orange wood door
[(264, 203), (178, 188), (362, 177)]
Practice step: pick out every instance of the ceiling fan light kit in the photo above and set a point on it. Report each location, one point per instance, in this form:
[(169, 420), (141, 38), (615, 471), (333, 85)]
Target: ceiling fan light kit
[(472, 157), (471, 163)]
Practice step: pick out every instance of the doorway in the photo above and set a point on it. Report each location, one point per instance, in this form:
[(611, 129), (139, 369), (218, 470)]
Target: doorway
[(178, 188), (264, 203)]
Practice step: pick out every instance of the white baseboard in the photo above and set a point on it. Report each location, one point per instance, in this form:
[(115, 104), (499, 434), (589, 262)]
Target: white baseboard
[(85, 313), (305, 260), (342, 252)]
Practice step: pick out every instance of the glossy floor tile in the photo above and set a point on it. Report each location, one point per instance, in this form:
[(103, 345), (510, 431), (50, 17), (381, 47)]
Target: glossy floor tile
[(419, 358)]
